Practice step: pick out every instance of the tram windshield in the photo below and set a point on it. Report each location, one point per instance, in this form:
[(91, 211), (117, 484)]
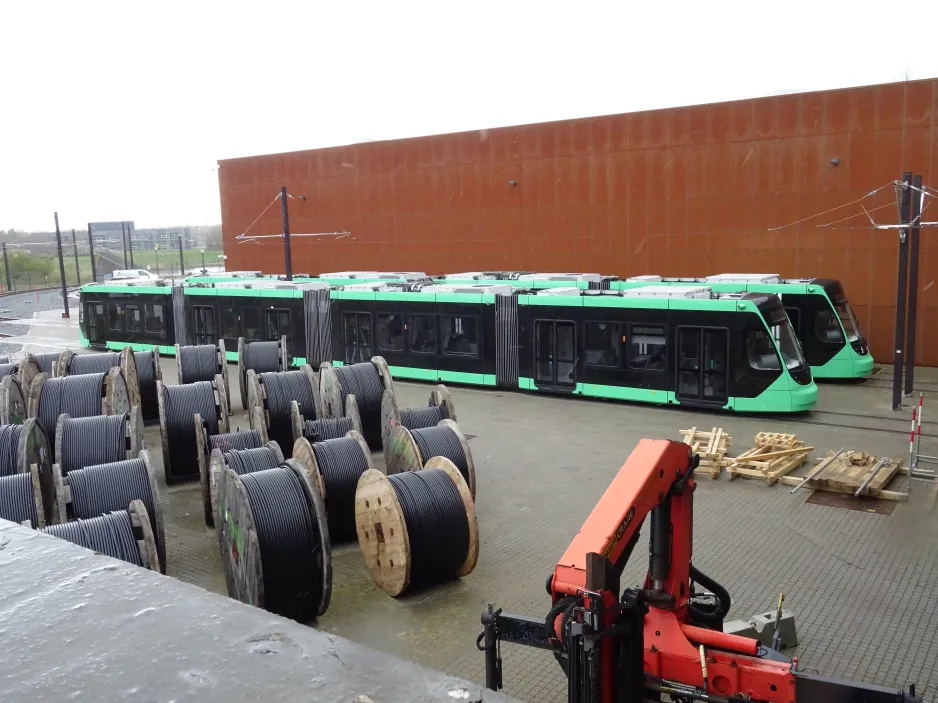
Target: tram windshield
[(781, 330), (844, 312)]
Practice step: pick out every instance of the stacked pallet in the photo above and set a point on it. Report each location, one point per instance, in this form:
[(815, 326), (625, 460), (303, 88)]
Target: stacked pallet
[(772, 456), (854, 472), (710, 447)]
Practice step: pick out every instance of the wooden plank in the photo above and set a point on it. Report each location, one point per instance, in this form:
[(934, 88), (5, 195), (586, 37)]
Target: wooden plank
[(784, 452)]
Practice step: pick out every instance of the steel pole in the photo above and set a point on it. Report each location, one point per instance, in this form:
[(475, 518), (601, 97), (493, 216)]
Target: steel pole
[(904, 204), (916, 211), (77, 269), (58, 244), (124, 243), (285, 219), (94, 269), (130, 248), (6, 266), (182, 262)]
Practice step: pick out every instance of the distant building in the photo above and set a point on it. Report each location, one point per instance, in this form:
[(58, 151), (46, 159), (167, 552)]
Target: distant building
[(109, 234), (166, 237)]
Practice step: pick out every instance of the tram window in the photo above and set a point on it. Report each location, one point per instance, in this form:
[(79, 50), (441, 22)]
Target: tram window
[(647, 348), (230, 323), (460, 335), (760, 350), (153, 315), (794, 316), (134, 321), (827, 326), (115, 317), (422, 334), (357, 327), (391, 332), (602, 344), (278, 324), (253, 330)]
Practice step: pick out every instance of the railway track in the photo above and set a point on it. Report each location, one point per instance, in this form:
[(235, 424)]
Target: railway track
[(857, 421)]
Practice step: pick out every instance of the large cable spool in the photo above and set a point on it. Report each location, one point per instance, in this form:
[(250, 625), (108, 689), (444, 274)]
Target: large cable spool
[(46, 362), (318, 429), (274, 541), (241, 460), (269, 401), (148, 373), (367, 382), (72, 364), (79, 396), (22, 446), (27, 369), (21, 499), (416, 529), (13, 410), (335, 466), (123, 534), (89, 492), (411, 449), (260, 357), (178, 407), (5, 359), (99, 439), (202, 363), (8, 369), (205, 443), (440, 407)]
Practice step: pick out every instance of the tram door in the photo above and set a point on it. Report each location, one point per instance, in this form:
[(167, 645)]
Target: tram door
[(702, 360), (555, 354), (356, 332), (204, 319), (94, 323)]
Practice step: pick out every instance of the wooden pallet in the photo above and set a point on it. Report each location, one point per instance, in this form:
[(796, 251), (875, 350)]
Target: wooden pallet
[(847, 472), (773, 456), (710, 447)]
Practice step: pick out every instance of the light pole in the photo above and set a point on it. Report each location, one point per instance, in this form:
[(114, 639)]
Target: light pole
[(156, 248), (203, 261)]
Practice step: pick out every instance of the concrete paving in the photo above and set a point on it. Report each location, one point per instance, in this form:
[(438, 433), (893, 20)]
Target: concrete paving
[(864, 587)]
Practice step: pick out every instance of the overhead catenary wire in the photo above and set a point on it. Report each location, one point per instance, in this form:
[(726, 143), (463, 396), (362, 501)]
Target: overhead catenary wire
[(17, 499), (441, 440), (327, 428), (364, 382), (198, 363), (341, 463), (180, 404), (79, 396), (289, 542), (87, 441), (9, 449), (437, 525), (280, 388), (111, 534)]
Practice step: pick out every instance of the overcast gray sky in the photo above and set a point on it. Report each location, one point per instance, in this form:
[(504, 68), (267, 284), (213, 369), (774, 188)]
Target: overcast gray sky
[(120, 110)]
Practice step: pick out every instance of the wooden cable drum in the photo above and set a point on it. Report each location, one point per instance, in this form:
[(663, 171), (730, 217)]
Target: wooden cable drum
[(367, 382), (99, 439), (240, 459), (93, 490), (5, 359), (27, 369), (13, 410), (260, 357), (47, 362), (440, 407), (202, 363), (325, 427), (24, 449), (123, 534), (416, 529), (178, 406), (411, 449), (269, 401), (148, 373), (274, 541), (8, 369), (21, 499), (205, 443), (72, 364), (84, 395), (335, 466)]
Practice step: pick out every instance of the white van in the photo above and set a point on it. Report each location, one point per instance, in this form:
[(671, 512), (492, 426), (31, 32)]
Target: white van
[(133, 274)]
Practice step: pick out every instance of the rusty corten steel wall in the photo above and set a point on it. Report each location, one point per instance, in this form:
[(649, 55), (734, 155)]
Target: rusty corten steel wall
[(684, 191)]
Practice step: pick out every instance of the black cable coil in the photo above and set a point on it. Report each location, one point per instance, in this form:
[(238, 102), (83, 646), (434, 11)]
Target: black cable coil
[(87, 441), (198, 363), (327, 428), (146, 377), (93, 363), (289, 542), (5, 359), (341, 462), (111, 534), (418, 418), (180, 403), (17, 500), (9, 449), (243, 439), (262, 357), (364, 382), (79, 396), (106, 487), (8, 370), (441, 441), (281, 388), (437, 525), (249, 461), (46, 361)]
